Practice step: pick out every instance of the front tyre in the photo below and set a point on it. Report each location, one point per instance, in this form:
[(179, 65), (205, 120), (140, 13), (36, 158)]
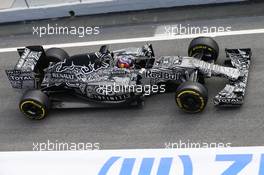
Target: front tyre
[(205, 48), (191, 97), (34, 104)]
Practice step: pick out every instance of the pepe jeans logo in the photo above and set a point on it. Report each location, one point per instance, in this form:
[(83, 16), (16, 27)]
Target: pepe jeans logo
[(238, 163), (146, 166)]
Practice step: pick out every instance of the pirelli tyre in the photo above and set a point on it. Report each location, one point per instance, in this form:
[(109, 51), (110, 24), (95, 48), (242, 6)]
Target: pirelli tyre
[(34, 104), (205, 48), (52, 55), (191, 97), (55, 55)]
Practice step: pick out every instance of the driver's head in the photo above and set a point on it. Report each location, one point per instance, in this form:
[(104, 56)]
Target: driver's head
[(125, 61)]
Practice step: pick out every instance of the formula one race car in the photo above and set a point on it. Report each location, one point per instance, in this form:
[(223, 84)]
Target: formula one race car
[(53, 79)]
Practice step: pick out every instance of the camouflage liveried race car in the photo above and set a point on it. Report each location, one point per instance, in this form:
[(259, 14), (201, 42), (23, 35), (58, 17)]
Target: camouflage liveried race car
[(53, 79)]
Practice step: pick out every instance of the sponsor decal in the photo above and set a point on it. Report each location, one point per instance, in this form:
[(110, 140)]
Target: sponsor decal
[(31, 54), (230, 100), (110, 98), (231, 164), (25, 53), (128, 165), (34, 55), (65, 76), (20, 78), (162, 75)]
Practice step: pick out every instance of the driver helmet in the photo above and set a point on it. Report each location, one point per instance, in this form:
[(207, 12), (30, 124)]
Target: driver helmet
[(125, 61)]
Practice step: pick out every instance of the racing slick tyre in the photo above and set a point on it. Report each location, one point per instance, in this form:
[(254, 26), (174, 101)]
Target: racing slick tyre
[(191, 97), (55, 55), (34, 104), (205, 48)]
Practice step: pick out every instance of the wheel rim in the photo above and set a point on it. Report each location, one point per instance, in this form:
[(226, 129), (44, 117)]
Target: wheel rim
[(32, 109), (190, 101)]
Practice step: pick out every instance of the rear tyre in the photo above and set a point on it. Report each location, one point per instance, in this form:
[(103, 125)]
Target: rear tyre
[(55, 55), (34, 104), (191, 97), (205, 48)]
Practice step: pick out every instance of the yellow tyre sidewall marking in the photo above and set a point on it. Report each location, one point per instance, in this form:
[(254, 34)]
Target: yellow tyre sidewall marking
[(200, 47), (193, 93), (35, 104)]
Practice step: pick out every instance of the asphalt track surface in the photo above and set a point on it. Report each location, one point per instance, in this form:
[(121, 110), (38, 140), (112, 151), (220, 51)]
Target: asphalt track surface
[(159, 121)]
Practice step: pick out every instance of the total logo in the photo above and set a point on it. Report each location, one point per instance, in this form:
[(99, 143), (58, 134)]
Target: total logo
[(147, 166)]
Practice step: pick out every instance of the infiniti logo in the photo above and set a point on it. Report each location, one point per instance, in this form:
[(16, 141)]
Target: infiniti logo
[(146, 166)]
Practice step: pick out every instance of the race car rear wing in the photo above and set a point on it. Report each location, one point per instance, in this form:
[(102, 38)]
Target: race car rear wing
[(24, 74), (234, 92)]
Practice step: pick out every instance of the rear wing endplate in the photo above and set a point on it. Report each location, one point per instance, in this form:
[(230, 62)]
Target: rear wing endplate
[(23, 75)]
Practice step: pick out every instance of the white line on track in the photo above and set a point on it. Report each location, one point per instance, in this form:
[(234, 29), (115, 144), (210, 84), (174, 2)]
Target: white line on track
[(142, 39)]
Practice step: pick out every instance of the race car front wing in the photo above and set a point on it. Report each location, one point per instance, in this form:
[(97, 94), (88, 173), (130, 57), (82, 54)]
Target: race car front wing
[(234, 92)]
